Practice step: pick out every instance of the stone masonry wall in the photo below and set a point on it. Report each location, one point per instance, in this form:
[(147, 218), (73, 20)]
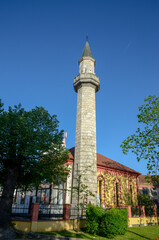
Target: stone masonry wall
[(85, 146)]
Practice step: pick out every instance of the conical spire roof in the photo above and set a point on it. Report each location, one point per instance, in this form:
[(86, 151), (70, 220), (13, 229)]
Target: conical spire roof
[(87, 50)]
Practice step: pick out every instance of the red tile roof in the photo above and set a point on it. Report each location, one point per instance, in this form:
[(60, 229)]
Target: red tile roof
[(142, 179), (151, 180), (109, 163)]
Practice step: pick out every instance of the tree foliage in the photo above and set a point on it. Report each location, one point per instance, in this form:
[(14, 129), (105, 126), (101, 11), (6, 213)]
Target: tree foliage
[(108, 223), (145, 200), (94, 215), (145, 142), (114, 222), (31, 150)]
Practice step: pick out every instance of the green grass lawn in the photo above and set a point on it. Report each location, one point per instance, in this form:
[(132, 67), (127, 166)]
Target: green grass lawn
[(134, 233)]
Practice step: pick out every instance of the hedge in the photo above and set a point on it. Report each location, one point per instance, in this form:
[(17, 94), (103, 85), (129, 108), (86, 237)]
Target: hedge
[(114, 222), (108, 223), (94, 216)]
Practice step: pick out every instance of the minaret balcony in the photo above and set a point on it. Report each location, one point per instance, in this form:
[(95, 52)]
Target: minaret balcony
[(86, 78)]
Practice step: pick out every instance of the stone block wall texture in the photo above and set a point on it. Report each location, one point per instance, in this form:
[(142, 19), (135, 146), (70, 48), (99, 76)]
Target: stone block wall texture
[(86, 66), (85, 147)]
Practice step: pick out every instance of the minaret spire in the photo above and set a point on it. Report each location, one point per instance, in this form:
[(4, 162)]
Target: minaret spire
[(87, 50), (87, 62)]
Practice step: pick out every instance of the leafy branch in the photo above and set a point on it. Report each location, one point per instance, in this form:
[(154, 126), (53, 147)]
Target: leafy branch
[(145, 142)]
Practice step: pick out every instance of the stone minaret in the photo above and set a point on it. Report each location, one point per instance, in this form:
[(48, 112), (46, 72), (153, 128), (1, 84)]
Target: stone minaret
[(86, 84)]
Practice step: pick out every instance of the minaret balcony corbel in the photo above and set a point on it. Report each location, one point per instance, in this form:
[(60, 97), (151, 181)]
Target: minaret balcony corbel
[(86, 78)]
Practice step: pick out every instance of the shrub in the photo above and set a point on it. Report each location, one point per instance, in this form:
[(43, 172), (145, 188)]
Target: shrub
[(114, 222), (94, 216)]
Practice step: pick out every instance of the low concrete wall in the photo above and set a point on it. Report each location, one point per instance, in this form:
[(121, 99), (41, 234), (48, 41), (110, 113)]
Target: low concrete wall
[(24, 226), (60, 225), (47, 226), (142, 221)]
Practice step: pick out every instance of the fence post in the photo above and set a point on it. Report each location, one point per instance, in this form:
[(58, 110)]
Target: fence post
[(66, 211), (129, 211), (34, 216), (142, 211)]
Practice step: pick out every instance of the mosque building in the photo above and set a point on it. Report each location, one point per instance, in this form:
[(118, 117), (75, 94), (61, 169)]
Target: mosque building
[(111, 183)]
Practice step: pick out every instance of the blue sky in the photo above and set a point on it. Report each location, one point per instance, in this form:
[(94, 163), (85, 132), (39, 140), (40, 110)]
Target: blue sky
[(41, 42)]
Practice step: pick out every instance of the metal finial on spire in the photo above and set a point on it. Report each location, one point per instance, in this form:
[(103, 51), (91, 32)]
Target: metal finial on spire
[(87, 50)]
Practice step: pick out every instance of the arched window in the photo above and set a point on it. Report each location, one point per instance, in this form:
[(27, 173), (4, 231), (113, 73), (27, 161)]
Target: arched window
[(100, 191), (117, 193), (131, 192)]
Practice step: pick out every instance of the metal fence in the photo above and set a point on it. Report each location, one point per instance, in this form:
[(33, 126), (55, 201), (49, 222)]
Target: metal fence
[(50, 212), (55, 212), (135, 212), (74, 213), (148, 211), (20, 212), (121, 208)]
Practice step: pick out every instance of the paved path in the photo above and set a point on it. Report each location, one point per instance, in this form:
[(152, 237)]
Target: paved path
[(46, 237), (35, 236), (49, 237), (58, 238)]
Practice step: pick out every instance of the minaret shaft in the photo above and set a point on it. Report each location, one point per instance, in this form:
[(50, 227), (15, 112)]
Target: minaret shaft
[(86, 84), (85, 147)]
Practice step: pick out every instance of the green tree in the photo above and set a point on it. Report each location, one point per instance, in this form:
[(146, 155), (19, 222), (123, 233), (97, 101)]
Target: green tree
[(145, 142), (31, 152), (147, 202)]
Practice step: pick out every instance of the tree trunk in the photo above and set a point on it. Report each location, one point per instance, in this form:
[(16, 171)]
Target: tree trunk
[(7, 196)]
